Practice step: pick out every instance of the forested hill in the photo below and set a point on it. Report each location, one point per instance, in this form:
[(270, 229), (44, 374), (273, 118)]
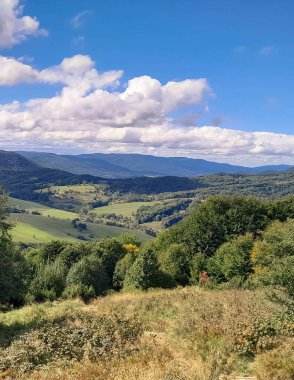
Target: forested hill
[(22, 177), (138, 165)]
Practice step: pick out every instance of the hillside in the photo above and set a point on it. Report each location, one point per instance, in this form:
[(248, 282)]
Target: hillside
[(86, 194), (208, 299), (35, 223), (165, 334), (137, 165), (21, 177)]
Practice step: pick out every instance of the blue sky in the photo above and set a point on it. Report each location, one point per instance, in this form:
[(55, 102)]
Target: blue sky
[(244, 50)]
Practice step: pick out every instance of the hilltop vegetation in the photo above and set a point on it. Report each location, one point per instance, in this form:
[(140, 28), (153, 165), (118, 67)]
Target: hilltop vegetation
[(184, 334), (230, 239), (232, 254)]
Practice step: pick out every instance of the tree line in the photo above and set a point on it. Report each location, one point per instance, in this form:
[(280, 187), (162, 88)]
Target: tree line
[(225, 241)]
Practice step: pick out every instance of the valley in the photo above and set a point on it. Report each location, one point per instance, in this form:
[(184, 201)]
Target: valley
[(51, 199)]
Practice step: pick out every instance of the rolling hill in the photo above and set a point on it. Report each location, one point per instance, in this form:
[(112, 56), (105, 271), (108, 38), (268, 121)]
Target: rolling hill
[(51, 224), (137, 165)]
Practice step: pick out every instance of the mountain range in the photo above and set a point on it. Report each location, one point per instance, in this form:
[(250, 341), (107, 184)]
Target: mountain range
[(115, 165), (24, 178)]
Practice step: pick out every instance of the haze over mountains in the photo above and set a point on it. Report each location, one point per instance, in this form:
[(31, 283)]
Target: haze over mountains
[(137, 165)]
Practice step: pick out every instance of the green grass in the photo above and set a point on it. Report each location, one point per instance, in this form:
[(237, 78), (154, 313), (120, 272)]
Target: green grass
[(127, 209), (44, 210), (40, 229)]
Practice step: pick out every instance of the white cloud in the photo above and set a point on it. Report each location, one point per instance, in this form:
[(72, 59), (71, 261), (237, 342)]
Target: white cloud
[(78, 20), (76, 71), (91, 114), (13, 71), (14, 27)]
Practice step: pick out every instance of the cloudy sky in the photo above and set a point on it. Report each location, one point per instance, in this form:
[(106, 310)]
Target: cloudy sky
[(206, 79)]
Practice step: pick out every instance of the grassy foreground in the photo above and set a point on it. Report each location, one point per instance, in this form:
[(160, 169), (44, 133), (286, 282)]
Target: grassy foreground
[(183, 334)]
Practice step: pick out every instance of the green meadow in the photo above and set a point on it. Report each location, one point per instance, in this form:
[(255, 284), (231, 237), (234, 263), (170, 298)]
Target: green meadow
[(43, 210), (40, 229), (127, 209)]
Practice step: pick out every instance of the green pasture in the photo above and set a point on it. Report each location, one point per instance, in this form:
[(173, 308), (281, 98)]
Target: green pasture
[(39, 229), (44, 210), (127, 209)]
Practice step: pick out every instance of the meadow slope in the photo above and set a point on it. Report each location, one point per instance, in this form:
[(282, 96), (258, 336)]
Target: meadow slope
[(183, 334)]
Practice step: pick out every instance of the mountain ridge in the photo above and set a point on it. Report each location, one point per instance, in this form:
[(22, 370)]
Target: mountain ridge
[(118, 165)]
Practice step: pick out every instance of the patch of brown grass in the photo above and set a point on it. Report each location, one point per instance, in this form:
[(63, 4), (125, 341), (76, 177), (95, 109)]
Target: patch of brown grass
[(187, 334)]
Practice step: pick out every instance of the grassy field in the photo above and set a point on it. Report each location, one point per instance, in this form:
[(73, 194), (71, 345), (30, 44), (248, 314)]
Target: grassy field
[(44, 210), (39, 229), (127, 209), (75, 196), (182, 334), (82, 189)]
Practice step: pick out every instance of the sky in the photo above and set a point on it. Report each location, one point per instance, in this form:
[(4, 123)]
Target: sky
[(208, 79)]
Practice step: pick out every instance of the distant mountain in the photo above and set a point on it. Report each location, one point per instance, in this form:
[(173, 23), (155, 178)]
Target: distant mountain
[(15, 162), (21, 177), (138, 165)]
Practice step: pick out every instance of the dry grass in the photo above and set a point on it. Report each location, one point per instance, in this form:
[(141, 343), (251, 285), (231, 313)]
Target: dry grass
[(187, 334)]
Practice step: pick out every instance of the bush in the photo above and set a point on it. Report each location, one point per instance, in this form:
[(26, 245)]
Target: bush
[(198, 265), (144, 273), (109, 251), (85, 275), (273, 256), (277, 364), (52, 250), (71, 338), (73, 253), (175, 262), (129, 238), (232, 259), (49, 282), (122, 268), (12, 264)]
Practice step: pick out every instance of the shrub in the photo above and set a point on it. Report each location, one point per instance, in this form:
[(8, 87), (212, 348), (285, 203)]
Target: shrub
[(73, 253), (85, 275), (197, 265), (109, 251), (277, 364), (52, 250), (175, 262), (12, 264), (71, 338), (49, 282), (273, 256), (122, 268), (144, 273), (129, 238), (232, 259)]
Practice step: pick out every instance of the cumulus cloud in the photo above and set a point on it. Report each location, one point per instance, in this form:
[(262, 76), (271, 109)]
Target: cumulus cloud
[(93, 112), (76, 71), (13, 71), (14, 27)]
